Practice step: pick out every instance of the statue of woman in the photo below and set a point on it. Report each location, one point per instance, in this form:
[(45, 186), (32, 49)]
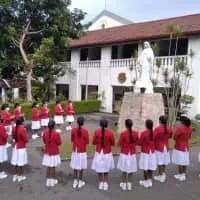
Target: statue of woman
[(146, 64)]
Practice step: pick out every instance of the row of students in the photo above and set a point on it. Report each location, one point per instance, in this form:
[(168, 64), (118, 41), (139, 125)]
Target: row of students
[(41, 118), (154, 152)]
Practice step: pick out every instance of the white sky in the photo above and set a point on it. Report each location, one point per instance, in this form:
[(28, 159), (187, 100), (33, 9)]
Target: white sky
[(139, 10)]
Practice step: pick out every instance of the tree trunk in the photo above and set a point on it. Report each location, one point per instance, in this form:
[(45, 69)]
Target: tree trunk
[(29, 86)]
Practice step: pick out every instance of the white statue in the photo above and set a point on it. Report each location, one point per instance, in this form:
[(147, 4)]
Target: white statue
[(144, 84)]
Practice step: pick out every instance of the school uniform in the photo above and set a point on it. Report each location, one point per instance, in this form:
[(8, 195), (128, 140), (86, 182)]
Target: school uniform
[(127, 160), (180, 154), (79, 154), (103, 160), (70, 113), (35, 119), (19, 153), (5, 115), (162, 144), (3, 142), (58, 111), (44, 116), (147, 155), (17, 113), (51, 156)]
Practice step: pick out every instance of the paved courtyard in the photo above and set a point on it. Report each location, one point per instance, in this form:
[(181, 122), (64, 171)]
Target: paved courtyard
[(34, 186)]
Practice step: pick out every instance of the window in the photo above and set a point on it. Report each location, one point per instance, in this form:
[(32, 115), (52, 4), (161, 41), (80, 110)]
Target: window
[(62, 90)]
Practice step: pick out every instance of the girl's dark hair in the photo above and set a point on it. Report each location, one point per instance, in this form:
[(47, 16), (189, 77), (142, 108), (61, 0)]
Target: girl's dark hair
[(80, 122), (43, 103), (34, 104), (69, 101), (51, 126), (4, 106), (16, 105), (149, 126), (103, 125), (129, 125), (19, 122), (186, 121), (163, 120), (58, 101)]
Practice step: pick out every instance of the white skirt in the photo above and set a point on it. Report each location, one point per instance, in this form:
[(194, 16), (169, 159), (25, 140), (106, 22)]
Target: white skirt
[(9, 129), (163, 158), (3, 153), (127, 163), (180, 157), (44, 122), (70, 118), (78, 161), (51, 161), (19, 157), (35, 125), (148, 161), (103, 163), (58, 119)]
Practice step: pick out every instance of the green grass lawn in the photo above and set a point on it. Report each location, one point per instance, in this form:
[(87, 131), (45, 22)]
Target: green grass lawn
[(66, 147)]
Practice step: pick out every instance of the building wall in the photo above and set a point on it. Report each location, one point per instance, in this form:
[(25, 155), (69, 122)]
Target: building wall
[(104, 20), (105, 76), (194, 85)]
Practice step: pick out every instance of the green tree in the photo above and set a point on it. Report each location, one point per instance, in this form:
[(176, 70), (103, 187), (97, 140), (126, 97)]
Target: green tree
[(32, 23)]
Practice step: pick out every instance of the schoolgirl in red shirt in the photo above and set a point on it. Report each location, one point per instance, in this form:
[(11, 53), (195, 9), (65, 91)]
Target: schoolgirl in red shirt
[(19, 156), (44, 115), (162, 135), (7, 121), (80, 140), (35, 121), (17, 111), (180, 154), (58, 115), (127, 162), (69, 114), (51, 158), (3, 149), (147, 157), (103, 161)]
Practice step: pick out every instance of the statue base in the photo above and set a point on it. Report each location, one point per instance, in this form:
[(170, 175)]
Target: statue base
[(139, 108)]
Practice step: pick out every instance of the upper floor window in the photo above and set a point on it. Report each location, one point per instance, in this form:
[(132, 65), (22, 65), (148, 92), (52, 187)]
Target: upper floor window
[(93, 53)]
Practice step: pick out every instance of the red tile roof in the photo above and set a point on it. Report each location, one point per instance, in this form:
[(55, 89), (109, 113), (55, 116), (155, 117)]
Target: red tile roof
[(190, 25)]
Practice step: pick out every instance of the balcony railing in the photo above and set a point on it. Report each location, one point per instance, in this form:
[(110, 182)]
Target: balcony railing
[(90, 64), (123, 63)]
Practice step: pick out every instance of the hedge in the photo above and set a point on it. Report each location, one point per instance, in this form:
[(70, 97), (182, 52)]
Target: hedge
[(79, 106)]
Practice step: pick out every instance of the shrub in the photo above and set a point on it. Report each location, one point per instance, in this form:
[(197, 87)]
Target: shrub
[(79, 106)]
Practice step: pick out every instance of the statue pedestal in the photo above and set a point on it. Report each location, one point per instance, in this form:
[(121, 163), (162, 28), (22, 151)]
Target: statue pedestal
[(139, 108)]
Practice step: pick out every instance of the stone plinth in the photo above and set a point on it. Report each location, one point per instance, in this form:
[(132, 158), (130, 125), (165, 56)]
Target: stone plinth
[(139, 108)]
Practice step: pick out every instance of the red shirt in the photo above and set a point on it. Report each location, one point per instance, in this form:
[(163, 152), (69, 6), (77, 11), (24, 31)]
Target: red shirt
[(17, 113), (20, 138), (51, 143), (35, 114), (80, 143), (109, 141), (70, 109), (5, 115), (181, 137), (44, 112), (3, 135), (147, 145), (125, 143), (58, 109), (162, 139)]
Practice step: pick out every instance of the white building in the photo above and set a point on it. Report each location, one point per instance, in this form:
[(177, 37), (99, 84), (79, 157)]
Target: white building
[(102, 58)]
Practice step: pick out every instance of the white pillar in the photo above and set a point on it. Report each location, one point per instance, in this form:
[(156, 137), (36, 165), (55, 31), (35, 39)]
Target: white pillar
[(140, 48), (3, 95), (105, 82), (194, 84), (74, 87), (15, 93)]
